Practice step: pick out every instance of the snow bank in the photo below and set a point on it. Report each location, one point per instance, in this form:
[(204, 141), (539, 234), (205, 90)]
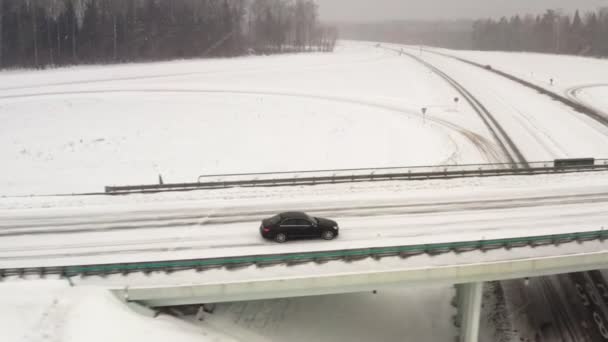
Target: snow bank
[(50, 310)]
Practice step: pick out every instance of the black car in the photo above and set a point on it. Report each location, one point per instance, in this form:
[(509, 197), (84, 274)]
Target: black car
[(297, 224)]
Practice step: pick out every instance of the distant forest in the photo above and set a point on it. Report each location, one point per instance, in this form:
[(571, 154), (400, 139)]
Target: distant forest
[(550, 33), (449, 34), (41, 33)]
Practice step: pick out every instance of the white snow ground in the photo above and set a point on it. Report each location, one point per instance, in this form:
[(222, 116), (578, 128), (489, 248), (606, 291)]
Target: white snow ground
[(78, 129), (51, 310), (388, 315), (580, 78)]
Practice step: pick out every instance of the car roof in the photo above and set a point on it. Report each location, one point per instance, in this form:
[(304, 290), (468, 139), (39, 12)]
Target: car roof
[(294, 214)]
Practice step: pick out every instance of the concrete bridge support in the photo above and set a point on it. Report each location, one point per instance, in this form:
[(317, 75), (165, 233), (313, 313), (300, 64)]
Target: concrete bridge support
[(468, 297)]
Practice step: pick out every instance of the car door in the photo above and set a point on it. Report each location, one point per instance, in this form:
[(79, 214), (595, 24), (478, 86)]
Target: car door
[(306, 228), (289, 227)]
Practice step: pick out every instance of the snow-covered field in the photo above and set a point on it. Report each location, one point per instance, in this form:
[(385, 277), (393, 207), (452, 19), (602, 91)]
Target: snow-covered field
[(78, 129), (51, 310), (580, 78)]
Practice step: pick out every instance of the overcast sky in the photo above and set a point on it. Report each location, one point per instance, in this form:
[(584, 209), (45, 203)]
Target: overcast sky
[(371, 10)]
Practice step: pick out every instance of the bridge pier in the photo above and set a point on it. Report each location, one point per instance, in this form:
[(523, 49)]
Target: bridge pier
[(468, 297)]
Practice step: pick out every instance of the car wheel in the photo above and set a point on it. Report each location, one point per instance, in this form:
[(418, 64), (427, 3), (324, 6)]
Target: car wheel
[(280, 238), (328, 235)]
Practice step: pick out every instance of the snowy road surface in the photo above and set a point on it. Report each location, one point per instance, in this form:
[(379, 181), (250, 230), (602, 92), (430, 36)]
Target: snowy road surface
[(566, 71), (542, 128), (388, 214), (581, 79), (592, 95), (564, 307)]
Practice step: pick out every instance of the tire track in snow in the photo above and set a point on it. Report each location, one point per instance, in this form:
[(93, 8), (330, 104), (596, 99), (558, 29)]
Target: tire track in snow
[(510, 150), (386, 236), (576, 105), (182, 74), (154, 222), (192, 214), (567, 326), (485, 147), (554, 149), (572, 94)]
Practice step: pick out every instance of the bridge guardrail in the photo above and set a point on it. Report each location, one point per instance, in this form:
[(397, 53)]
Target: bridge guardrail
[(305, 257), (367, 175)]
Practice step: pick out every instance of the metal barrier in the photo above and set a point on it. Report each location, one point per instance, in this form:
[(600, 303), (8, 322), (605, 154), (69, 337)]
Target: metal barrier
[(574, 162), (367, 175), (305, 257)]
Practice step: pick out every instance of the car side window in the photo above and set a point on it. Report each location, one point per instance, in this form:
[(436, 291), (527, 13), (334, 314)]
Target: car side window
[(302, 222), (289, 222)]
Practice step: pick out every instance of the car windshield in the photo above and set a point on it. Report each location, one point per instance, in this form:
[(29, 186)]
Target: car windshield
[(275, 219)]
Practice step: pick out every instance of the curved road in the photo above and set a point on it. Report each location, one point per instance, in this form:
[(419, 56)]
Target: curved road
[(573, 94), (553, 299)]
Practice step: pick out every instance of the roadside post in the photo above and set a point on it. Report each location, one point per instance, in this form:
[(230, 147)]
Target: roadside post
[(424, 109)]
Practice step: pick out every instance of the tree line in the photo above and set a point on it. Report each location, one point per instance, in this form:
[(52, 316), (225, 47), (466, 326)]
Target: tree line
[(453, 34), (41, 33), (552, 32)]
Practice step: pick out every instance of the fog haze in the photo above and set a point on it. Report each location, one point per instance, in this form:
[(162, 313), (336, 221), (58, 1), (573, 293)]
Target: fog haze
[(373, 10)]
